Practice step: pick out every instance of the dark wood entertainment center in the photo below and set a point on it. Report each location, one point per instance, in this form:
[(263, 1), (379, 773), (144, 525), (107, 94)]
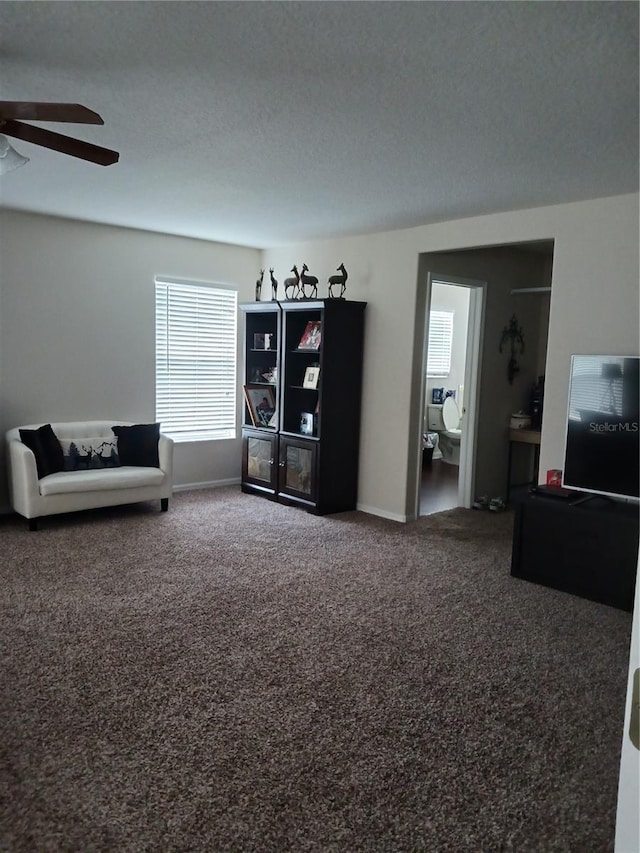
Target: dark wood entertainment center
[(585, 547)]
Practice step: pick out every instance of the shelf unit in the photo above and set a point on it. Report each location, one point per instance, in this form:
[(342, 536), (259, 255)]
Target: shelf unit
[(309, 457)]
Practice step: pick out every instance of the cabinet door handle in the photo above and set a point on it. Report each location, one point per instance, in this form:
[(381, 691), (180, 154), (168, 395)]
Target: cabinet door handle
[(282, 464)]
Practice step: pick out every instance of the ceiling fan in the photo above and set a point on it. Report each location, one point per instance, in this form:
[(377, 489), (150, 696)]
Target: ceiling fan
[(13, 114)]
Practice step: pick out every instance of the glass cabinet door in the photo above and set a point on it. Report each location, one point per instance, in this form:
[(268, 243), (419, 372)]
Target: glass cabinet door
[(259, 460), (297, 469)]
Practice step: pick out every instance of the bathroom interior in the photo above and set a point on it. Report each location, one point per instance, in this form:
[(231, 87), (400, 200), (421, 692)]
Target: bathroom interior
[(444, 396), (444, 415)]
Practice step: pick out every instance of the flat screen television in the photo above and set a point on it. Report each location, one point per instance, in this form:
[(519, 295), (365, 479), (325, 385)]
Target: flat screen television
[(603, 438)]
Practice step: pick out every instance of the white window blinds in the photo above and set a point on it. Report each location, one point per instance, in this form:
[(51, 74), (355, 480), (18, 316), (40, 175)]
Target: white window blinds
[(596, 387), (440, 337), (196, 331)]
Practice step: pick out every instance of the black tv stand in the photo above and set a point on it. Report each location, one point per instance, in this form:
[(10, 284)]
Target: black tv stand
[(585, 547), (556, 493), (583, 499)]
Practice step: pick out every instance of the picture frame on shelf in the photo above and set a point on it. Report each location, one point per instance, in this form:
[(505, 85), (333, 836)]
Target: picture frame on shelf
[(311, 377), (261, 403), (306, 423), (312, 336), (262, 340)]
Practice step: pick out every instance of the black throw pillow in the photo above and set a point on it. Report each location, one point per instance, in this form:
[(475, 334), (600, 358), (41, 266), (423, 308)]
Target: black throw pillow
[(138, 444), (46, 448)]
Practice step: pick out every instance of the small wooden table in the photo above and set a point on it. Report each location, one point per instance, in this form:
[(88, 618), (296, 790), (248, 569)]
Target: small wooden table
[(524, 436)]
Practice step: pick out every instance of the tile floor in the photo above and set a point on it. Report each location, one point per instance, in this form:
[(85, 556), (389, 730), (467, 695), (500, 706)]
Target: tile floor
[(439, 489)]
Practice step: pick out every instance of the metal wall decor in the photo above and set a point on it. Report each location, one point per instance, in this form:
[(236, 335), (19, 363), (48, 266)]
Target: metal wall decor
[(340, 280), (514, 335)]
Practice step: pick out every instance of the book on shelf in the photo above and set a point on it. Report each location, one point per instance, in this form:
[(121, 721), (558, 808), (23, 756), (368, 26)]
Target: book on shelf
[(312, 336)]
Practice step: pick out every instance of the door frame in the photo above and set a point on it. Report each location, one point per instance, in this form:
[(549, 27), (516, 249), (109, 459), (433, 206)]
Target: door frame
[(472, 373)]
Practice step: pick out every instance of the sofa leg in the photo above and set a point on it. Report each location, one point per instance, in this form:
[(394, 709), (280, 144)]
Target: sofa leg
[(33, 523), (164, 504)]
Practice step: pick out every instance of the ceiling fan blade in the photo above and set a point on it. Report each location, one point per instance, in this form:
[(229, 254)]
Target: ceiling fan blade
[(58, 142), (36, 111)]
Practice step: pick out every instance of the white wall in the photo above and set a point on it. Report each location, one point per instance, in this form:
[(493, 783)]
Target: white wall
[(76, 321), (77, 328), (594, 307)]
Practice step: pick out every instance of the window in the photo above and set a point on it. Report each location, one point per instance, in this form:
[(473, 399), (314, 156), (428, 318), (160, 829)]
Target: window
[(596, 387), (196, 328), (440, 336)]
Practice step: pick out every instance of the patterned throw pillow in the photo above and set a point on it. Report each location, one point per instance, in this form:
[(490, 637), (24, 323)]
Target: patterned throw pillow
[(86, 454)]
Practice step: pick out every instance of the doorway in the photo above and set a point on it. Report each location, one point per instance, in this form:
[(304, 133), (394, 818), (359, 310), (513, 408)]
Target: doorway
[(453, 324), (505, 279)]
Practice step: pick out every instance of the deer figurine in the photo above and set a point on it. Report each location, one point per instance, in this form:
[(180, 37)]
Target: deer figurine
[(308, 281), (259, 286), (336, 280), (274, 285), (292, 283)]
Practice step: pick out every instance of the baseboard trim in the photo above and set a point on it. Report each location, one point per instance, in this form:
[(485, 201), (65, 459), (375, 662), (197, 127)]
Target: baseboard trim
[(374, 510), (210, 484)]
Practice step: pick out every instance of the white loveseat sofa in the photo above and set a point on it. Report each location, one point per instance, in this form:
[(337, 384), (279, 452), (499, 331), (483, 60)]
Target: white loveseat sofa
[(71, 490)]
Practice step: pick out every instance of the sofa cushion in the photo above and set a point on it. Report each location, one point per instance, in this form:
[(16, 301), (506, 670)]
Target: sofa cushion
[(45, 446), (82, 454), (66, 482), (138, 444)]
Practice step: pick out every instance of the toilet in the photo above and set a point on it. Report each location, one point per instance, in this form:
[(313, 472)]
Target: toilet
[(445, 420)]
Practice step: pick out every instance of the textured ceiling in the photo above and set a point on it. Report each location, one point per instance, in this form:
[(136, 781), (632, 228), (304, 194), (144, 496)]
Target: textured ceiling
[(261, 123)]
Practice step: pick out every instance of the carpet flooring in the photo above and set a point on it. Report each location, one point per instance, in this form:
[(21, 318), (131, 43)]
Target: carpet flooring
[(237, 675)]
